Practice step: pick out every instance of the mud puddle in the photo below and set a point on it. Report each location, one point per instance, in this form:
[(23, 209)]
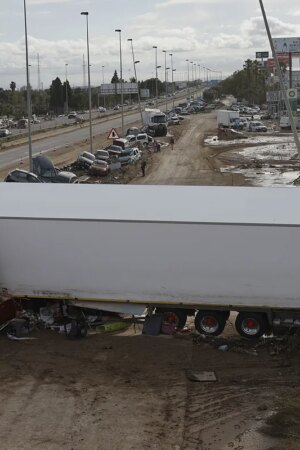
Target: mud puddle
[(261, 163)]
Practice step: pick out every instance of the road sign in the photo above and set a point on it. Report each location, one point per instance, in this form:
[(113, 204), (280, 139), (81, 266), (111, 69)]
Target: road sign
[(292, 96), (262, 55), (116, 88), (113, 134), (287, 45)]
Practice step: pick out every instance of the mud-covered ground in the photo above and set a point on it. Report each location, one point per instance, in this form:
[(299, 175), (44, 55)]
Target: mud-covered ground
[(131, 392)]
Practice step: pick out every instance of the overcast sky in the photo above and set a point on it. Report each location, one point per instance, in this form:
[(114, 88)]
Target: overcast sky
[(218, 34)]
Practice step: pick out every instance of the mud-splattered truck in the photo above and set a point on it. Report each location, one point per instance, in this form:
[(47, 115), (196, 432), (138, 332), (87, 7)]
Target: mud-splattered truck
[(180, 250)]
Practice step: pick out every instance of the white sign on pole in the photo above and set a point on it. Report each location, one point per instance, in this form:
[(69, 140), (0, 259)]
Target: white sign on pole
[(287, 45), (113, 134), (115, 88), (145, 93)]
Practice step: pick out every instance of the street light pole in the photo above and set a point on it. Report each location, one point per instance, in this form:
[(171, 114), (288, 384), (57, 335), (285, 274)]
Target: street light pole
[(165, 52), (136, 79), (173, 87), (188, 68), (121, 76), (195, 78), (156, 78), (67, 94), (28, 94), (104, 105), (192, 78), (86, 14)]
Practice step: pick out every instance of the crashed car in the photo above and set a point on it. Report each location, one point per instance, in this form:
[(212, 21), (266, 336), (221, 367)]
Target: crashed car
[(257, 126), (22, 176), (86, 159), (99, 167)]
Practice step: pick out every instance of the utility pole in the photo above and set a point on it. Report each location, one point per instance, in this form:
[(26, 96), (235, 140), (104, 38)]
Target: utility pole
[(287, 103)]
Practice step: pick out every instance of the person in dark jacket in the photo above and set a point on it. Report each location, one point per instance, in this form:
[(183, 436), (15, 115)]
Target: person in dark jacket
[(143, 167)]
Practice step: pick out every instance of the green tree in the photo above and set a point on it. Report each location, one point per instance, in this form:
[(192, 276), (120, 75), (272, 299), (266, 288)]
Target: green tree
[(13, 86), (56, 96), (115, 79)]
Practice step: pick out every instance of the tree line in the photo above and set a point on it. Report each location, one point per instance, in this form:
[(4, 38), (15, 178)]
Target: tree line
[(13, 102), (247, 84)]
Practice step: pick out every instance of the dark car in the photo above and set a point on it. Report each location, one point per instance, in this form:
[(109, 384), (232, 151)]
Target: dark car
[(99, 167), (4, 133), (22, 176), (45, 170)]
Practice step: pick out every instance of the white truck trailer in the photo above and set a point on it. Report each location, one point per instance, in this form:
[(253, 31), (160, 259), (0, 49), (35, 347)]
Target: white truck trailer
[(181, 250), (228, 119), (156, 122)]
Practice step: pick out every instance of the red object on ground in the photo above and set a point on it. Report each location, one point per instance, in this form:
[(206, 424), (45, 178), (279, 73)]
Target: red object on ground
[(7, 310)]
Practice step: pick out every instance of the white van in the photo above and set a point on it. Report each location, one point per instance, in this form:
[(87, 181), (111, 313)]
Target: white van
[(285, 123)]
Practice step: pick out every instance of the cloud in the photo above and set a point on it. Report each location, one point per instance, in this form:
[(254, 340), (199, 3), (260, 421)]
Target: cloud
[(170, 3), (46, 2)]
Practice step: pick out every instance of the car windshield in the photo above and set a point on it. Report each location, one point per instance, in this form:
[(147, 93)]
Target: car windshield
[(159, 119), (88, 156)]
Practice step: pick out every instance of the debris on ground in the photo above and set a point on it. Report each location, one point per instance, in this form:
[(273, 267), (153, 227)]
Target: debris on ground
[(201, 376)]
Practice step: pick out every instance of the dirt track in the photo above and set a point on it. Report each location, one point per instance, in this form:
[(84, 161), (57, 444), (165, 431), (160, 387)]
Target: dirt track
[(129, 391)]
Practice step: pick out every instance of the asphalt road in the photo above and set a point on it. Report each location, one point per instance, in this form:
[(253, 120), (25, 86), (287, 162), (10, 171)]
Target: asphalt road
[(16, 154), (46, 144)]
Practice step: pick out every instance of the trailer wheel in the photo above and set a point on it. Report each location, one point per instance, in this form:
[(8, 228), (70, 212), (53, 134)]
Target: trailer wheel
[(174, 316), (251, 325), (210, 323)]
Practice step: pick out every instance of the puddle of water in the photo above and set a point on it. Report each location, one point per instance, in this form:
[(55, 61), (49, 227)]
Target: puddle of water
[(265, 177), (261, 139), (283, 152)]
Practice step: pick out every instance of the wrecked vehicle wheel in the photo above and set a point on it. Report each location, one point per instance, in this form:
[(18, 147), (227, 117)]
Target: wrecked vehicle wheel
[(210, 323), (76, 330), (251, 325), (174, 316)]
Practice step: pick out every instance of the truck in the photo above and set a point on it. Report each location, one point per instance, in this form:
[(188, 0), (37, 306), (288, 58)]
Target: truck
[(155, 123), (175, 250), (285, 123), (228, 119)]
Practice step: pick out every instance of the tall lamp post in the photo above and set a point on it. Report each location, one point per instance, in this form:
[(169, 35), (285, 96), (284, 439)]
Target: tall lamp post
[(67, 94), (136, 79), (188, 71), (195, 78), (156, 78), (165, 52), (199, 80), (103, 67), (173, 87), (192, 79), (86, 14), (28, 94), (121, 77)]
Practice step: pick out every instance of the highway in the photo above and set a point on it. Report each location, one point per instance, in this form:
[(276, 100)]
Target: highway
[(64, 137), (46, 144)]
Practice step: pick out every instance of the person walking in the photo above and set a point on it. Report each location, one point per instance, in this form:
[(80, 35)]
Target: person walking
[(172, 142), (158, 147), (143, 167)]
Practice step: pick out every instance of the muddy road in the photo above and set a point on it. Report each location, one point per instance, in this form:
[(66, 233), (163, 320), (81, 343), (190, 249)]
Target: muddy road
[(131, 392)]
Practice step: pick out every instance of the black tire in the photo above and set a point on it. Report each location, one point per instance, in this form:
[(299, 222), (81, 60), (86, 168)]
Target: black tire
[(174, 316), (210, 323), (82, 330), (251, 325)]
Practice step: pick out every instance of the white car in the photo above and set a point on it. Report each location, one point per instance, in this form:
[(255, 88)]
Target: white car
[(143, 138), (86, 159), (257, 126), (174, 120), (101, 109)]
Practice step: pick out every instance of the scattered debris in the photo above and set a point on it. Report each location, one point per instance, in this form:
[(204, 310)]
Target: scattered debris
[(201, 376)]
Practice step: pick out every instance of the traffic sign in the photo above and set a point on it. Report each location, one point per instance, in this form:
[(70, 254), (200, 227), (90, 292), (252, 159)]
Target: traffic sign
[(113, 134)]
